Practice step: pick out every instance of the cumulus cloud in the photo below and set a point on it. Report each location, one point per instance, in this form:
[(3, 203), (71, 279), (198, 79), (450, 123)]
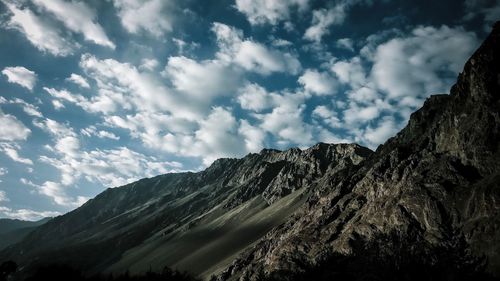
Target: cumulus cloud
[(78, 80), (11, 150), (102, 134), (38, 31), (319, 83), (11, 129), (201, 80), (108, 167), (323, 19), (21, 76), (326, 115), (250, 55), (424, 63), (269, 11), (153, 16), (387, 127), (27, 214), (286, 121), (346, 43), (79, 18), (254, 97), (28, 108)]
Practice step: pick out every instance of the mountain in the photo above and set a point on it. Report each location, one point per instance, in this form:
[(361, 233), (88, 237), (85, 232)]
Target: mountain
[(190, 221), (13, 230), (431, 195), (424, 206)]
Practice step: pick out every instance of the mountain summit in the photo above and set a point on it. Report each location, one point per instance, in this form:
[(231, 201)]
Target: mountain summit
[(428, 199)]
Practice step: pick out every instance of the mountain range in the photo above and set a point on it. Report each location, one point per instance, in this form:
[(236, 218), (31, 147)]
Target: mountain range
[(426, 203)]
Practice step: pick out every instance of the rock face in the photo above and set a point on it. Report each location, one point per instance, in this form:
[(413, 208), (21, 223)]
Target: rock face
[(436, 184), (190, 221)]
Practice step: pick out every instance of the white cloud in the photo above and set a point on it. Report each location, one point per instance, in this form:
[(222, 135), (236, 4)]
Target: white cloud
[(250, 55), (350, 72), (323, 114), (387, 127), (254, 136), (254, 97), (285, 121), (424, 63), (11, 151), (27, 214), (153, 16), (269, 11), (93, 131), (323, 19), (21, 75), (346, 43), (201, 80), (28, 108), (79, 18), (148, 64), (41, 34), (3, 196), (78, 80), (319, 83), (12, 129), (3, 171)]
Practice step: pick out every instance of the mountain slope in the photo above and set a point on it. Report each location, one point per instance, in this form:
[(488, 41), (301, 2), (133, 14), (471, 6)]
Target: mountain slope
[(13, 231), (434, 188), (190, 221)]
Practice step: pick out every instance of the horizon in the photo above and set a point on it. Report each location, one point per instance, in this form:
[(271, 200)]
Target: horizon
[(96, 94)]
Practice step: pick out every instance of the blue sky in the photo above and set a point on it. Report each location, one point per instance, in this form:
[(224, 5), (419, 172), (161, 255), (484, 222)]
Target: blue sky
[(96, 94)]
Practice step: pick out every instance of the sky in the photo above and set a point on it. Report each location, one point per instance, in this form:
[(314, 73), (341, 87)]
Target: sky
[(96, 94)]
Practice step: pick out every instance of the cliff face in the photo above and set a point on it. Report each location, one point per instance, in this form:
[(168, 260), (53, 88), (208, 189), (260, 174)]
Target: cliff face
[(191, 221), (434, 187)]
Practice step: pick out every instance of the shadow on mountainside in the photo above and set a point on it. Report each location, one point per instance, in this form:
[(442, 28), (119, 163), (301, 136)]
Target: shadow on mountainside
[(392, 258)]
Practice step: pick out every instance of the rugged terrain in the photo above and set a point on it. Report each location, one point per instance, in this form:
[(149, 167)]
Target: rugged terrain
[(433, 188), (429, 196), (189, 221)]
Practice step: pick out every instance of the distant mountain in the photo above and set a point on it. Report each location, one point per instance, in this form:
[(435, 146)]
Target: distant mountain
[(424, 206), (13, 230)]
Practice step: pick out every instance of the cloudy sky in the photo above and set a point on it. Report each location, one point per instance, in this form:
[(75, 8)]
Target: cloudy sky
[(96, 94)]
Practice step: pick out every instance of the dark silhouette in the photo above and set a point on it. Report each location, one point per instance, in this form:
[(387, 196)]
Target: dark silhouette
[(66, 273), (6, 269)]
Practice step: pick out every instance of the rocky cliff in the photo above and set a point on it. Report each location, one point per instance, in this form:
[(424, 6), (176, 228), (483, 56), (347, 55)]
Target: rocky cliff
[(432, 192)]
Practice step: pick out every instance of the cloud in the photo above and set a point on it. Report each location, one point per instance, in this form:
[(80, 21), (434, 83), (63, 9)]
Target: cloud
[(27, 214), (319, 83), (254, 97), (203, 80), (3, 196), (28, 108), (285, 121), (3, 171), (11, 151), (102, 134), (78, 80), (148, 64), (79, 18), (269, 11), (322, 20), (39, 32), (345, 43), (153, 16), (254, 136), (387, 127), (21, 76), (250, 55), (424, 63), (325, 115), (12, 129), (108, 167), (350, 72)]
